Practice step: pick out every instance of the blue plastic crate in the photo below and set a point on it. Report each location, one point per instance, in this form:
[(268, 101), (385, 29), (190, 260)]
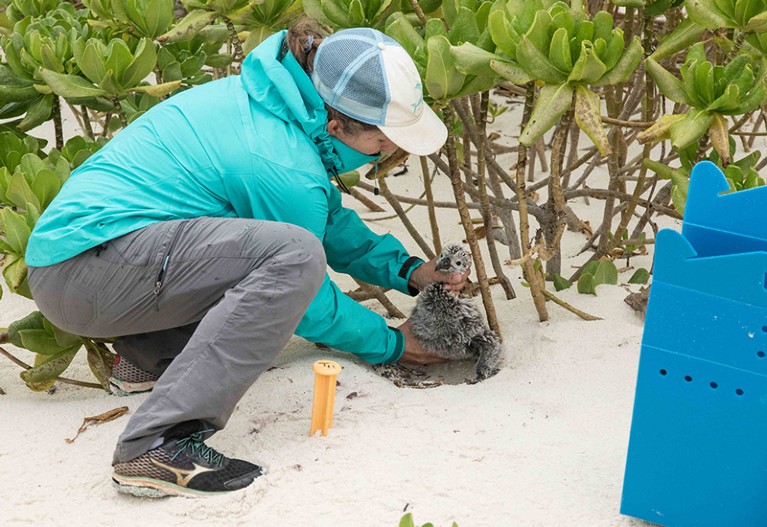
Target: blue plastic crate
[(698, 448)]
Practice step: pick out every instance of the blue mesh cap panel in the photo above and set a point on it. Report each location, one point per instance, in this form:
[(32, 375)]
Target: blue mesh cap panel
[(366, 83), (351, 75)]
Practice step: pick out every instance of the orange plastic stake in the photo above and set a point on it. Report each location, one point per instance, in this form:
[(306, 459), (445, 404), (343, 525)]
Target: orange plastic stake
[(325, 372)]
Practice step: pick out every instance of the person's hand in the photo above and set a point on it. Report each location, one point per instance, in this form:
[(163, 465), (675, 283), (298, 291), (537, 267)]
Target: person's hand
[(415, 353), (426, 274)]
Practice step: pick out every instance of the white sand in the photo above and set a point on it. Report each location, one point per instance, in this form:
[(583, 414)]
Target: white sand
[(541, 444)]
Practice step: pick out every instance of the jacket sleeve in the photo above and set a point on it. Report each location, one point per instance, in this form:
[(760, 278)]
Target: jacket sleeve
[(352, 248), (337, 321)]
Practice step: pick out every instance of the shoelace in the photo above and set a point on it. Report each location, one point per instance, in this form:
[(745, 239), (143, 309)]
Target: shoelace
[(194, 443)]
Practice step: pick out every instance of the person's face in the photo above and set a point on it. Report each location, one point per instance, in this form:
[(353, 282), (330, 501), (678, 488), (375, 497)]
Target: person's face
[(370, 142)]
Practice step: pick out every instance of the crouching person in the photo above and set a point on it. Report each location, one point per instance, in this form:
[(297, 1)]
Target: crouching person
[(200, 236)]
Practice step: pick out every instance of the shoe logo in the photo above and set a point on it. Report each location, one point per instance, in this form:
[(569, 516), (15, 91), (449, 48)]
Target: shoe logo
[(183, 476)]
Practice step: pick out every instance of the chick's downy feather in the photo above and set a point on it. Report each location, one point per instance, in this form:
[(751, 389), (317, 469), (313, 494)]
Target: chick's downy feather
[(451, 326)]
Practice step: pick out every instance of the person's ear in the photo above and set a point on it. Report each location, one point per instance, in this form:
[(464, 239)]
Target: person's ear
[(334, 128)]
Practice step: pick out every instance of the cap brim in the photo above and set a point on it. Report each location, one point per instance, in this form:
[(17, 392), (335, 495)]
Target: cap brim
[(423, 137)]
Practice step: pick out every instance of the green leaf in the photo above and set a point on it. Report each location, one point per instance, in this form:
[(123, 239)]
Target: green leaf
[(157, 90), (588, 68), (64, 338), (614, 51), (50, 60), (640, 276), (757, 24), (501, 30), (719, 136), (704, 82), (15, 274), (157, 17), (472, 60), (589, 118), (91, 59), (350, 179), (336, 12), (626, 66), (746, 9), (142, 65), (724, 7), (218, 60), (661, 130), (559, 52), (464, 27), (356, 13), (256, 35), (70, 86), (538, 34), (586, 285), (590, 267), (37, 113), (51, 368), (188, 26), (13, 87), (690, 129), (510, 71), (100, 361), (442, 78), (561, 283), (606, 273), (536, 64), (20, 193), (16, 230), (118, 59), (603, 26), (39, 341), (750, 102), (685, 34), (34, 320), (668, 84), (552, 103), (40, 386), (679, 199), (45, 186), (706, 14), (407, 521), (402, 31), (476, 84)]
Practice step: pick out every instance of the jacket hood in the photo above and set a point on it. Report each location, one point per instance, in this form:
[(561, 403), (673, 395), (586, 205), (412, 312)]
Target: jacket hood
[(282, 88)]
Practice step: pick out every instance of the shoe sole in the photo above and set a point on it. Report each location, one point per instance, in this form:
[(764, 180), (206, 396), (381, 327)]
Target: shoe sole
[(122, 388), (155, 488)]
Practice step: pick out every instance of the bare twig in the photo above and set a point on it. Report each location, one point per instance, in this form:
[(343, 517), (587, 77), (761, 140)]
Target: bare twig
[(585, 316), (533, 276), (430, 204), (369, 203), (57, 127), (379, 295), (471, 237), (386, 193)]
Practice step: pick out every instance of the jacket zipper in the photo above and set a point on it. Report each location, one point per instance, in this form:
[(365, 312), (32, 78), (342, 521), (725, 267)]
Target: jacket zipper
[(161, 275)]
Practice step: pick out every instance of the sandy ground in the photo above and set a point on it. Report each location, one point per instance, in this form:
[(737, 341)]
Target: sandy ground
[(543, 443)]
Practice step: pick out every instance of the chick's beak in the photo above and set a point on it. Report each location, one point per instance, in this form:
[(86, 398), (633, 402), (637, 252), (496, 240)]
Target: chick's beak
[(442, 265)]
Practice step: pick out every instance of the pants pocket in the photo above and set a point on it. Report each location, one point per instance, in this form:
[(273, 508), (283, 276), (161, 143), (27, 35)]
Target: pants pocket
[(129, 249)]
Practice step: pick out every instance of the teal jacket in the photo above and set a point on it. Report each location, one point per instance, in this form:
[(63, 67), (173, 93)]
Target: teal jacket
[(249, 146)]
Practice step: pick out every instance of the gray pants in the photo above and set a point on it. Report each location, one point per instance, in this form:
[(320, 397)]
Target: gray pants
[(207, 302)]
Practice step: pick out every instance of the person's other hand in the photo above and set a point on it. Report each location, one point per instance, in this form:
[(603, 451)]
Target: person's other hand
[(426, 274), (415, 353)]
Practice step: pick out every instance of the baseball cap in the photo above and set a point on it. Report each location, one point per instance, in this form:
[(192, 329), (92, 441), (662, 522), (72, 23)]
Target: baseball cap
[(368, 76)]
